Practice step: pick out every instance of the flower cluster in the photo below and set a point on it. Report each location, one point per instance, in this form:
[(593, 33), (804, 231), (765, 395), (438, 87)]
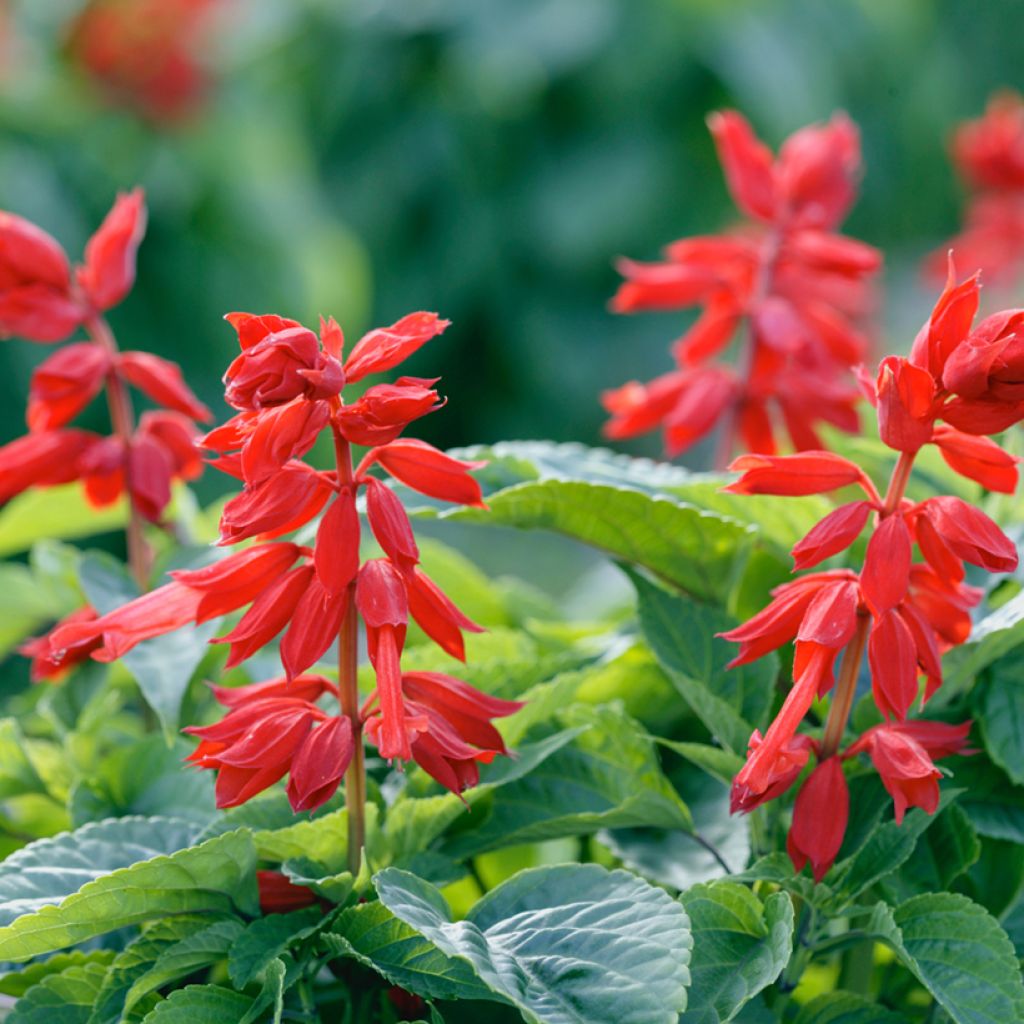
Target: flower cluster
[(989, 156), (802, 291), (957, 385), (144, 53), (42, 300), (286, 385)]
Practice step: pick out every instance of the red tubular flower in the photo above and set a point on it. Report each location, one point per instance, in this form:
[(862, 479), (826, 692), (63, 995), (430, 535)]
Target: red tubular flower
[(385, 347), (385, 410), (886, 573), (804, 473), (977, 458), (431, 472), (775, 777), (819, 819), (45, 666), (835, 533), (63, 385), (436, 614), (314, 627), (44, 460), (969, 533), (35, 284), (893, 656), (308, 687), (906, 394), (320, 764), (390, 524), (336, 556), (109, 270), (802, 289), (281, 503), (161, 380)]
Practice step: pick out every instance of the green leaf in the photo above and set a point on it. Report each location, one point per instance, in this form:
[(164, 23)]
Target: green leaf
[(163, 666), (993, 636), (54, 512), (18, 982), (201, 1004), (718, 763), (267, 938), (607, 777), (371, 934), (63, 998), (681, 632), (200, 949), (687, 547), (565, 944), (211, 877), (957, 950), (1001, 716), (739, 947), (18, 775), (845, 1008)]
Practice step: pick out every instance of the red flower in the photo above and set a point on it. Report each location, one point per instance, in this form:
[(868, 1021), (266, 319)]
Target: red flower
[(801, 289), (431, 472), (278, 895), (45, 666), (385, 347), (44, 460), (804, 473), (161, 380), (977, 458), (819, 819), (35, 284), (773, 778)]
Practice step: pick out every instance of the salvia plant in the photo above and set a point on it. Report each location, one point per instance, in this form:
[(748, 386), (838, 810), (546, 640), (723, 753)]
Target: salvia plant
[(301, 760)]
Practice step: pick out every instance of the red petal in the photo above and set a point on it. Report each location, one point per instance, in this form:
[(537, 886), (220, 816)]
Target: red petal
[(886, 574), (835, 533), (386, 347), (747, 163), (315, 625), (336, 554), (109, 271), (892, 654), (161, 380), (424, 468)]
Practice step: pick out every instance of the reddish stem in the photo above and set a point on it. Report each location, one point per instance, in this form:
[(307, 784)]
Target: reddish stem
[(849, 670), (122, 420), (348, 689)]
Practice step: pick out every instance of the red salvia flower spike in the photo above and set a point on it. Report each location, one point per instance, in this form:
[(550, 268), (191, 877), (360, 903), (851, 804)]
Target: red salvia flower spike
[(161, 380), (436, 614), (384, 348), (64, 384), (835, 533), (431, 472), (819, 819), (109, 270), (809, 472), (320, 764), (336, 554)]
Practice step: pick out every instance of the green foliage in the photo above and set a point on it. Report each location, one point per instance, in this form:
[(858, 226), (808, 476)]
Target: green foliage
[(562, 943), (65, 997)]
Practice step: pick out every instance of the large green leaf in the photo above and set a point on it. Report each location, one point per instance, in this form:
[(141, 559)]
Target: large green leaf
[(63, 998), (163, 666), (607, 777), (957, 950), (572, 944), (740, 946), (681, 632), (1000, 712), (60, 512), (57, 893), (371, 934), (993, 636), (265, 939), (689, 547)]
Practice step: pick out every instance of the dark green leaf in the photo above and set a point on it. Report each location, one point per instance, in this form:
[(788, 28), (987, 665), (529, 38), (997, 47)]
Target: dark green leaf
[(1001, 716), (266, 939), (845, 1008)]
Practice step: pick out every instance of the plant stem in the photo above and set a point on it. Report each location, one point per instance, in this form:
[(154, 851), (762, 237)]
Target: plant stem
[(849, 670), (348, 689), (122, 420)]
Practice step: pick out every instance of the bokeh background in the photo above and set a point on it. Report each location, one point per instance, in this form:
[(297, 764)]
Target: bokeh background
[(484, 158)]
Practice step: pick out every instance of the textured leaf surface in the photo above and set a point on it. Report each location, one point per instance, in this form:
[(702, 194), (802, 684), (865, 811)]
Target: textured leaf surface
[(1001, 716), (63, 998), (372, 935), (845, 1008), (265, 939), (607, 777), (201, 1004), (572, 944), (212, 877), (740, 946), (681, 632)]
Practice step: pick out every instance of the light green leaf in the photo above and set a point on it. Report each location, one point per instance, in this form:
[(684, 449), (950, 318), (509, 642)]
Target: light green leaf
[(211, 877), (63, 998), (681, 632), (993, 636), (845, 1008), (607, 777), (163, 666), (739, 948), (54, 512), (267, 938), (957, 950), (18, 982), (718, 763), (201, 1004), (570, 944), (1001, 716), (200, 949), (371, 934), (690, 548)]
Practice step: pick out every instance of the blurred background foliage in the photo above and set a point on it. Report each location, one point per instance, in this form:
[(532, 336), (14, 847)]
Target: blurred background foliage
[(484, 158)]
